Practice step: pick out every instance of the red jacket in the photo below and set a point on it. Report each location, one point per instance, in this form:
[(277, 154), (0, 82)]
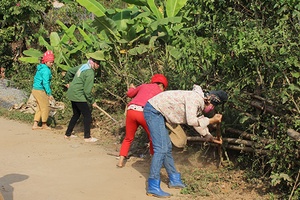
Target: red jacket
[(143, 93)]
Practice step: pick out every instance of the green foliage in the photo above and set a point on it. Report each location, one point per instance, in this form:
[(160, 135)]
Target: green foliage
[(16, 115), (33, 56), (93, 6), (20, 21), (276, 179)]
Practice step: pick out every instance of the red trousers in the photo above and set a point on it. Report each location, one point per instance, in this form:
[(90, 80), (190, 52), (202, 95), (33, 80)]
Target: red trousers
[(133, 120)]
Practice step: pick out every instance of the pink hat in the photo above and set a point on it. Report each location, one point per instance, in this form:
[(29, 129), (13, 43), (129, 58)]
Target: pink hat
[(48, 56)]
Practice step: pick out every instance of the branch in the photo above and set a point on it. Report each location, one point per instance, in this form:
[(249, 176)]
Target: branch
[(230, 146), (118, 97), (259, 98), (247, 149), (228, 140), (238, 141), (218, 133), (262, 106), (293, 134), (295, 185), (249, 136)]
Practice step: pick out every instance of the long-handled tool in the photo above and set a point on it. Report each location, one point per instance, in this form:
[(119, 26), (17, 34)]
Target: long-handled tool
[(108, 115)]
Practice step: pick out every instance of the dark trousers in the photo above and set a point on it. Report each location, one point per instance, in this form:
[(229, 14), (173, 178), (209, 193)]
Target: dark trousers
[(78, 109)]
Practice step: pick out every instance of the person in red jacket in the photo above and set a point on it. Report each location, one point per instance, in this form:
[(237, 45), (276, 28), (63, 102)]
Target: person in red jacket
[(135, 116)]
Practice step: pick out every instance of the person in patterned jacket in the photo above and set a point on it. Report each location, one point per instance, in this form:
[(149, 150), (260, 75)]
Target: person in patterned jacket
[(176, 107)]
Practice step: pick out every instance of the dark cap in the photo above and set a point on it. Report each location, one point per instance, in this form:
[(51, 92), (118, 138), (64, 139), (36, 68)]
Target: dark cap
[(217, 97)]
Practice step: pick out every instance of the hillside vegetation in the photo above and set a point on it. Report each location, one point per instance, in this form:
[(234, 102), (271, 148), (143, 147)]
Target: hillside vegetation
[(250, 49)]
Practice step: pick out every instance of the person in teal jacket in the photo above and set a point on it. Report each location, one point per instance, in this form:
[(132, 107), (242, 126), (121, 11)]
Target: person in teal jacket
[(80, 94), (42, 90)]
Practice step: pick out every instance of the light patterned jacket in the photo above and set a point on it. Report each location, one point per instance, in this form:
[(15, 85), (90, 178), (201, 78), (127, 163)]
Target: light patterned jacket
[(183, 107)]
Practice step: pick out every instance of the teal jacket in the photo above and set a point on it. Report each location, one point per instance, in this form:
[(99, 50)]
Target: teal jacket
[(42, 79), (80, 89)]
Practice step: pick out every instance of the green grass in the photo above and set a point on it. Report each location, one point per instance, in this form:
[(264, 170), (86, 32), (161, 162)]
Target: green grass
[(198, 180), (16, 115)]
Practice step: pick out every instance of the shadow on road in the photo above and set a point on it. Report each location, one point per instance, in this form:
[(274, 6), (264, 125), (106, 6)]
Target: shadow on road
[(5, 184)]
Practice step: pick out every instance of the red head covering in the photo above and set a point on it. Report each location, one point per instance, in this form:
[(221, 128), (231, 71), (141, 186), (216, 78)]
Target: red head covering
[(160, 78), (48, 56)]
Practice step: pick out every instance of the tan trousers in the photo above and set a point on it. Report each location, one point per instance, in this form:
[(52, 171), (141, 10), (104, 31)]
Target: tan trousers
[(43, 109)]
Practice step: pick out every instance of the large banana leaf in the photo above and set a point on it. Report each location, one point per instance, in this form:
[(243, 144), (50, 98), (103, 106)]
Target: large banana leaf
[(121, 19), (174, 52), (108, 25), (33, 60), (173, 7), (62, 25), (54, 39), (44, 43), (66, 60), (70, 33), (164, 22), (64, 39), (64, 67), (33, 53), (154, 9), (93, 6), (79, 47), (101, 21), (85, 36), (142, 15), (136, 2), (138, 50)]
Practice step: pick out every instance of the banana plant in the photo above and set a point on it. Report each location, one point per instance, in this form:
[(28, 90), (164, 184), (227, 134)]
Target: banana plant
[(165, 21), (160, 23), (140, 25), (34, 56), (58, 45), (165, 16), (101, 20)]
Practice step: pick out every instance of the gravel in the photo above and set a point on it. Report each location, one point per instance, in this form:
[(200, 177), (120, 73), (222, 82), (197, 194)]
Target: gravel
[(9, 96)]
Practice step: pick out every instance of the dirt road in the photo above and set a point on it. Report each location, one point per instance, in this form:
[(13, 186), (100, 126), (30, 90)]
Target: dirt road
[(42, 165)]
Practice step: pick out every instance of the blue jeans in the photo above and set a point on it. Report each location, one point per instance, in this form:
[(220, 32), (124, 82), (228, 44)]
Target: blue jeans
[(161, 143)]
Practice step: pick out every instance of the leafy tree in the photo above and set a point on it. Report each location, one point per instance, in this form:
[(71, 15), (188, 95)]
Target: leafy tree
[(20, 23)]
